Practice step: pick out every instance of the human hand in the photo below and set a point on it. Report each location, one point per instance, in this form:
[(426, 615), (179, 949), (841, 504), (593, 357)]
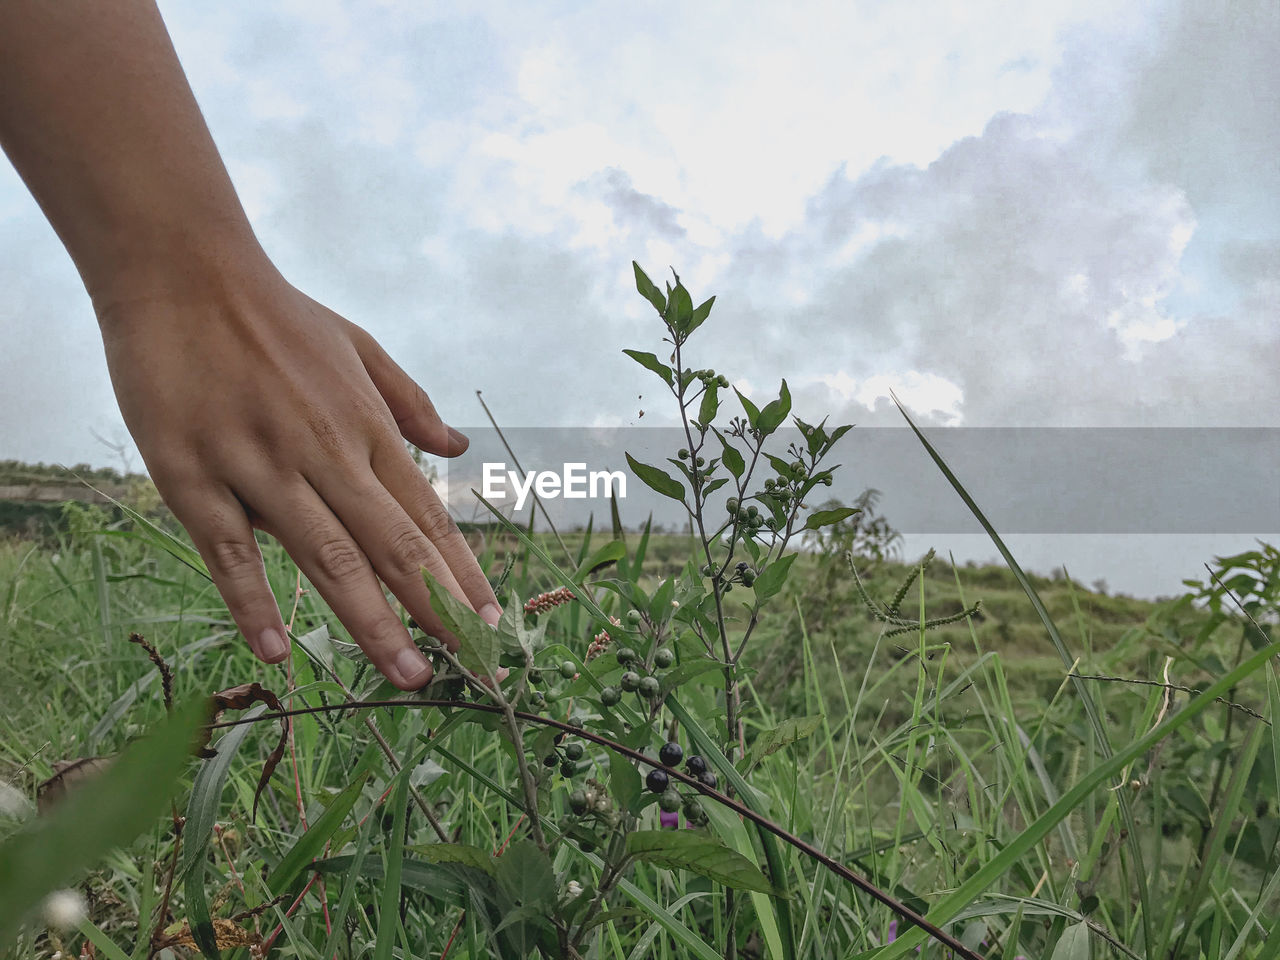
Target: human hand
[(255, 406)]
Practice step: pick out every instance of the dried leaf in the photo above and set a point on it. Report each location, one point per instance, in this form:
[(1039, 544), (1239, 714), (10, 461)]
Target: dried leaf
[(227, 933), (240, 697), (66, 773)]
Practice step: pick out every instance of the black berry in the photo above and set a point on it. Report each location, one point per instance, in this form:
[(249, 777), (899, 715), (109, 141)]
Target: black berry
[(657, 781), (573, 751), (670, 754), (550, 760), (568, 768), (695, 765), (578, 802), (708, 779), (742, 565)]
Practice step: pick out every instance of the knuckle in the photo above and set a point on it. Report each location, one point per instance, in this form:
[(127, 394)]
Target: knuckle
[(234, 558), (408, 552), (437, 524), (339, 559)]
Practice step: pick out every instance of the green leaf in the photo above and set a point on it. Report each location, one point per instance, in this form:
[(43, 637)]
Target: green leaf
[(657, 479), (648, 290), (463, 853), (479, 645), (389, 905), (679, 312), (610, 553), (709, 405), (308, 846), (651, 362), (775, 412), (732, 458), (700, 853), (824, 518), (752, 411), (624, 781), (772, 577), (785, 733), (102, 814), (1073, 944), (677, 676), (699, 315), (525, 874), (438, 881)]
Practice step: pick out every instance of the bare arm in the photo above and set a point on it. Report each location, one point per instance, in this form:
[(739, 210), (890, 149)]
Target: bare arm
[(252, 405)]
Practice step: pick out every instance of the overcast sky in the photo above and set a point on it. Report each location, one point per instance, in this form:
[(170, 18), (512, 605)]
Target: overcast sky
[(1057, 213)]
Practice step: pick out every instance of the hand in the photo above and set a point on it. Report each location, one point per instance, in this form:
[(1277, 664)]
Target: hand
[(255, 406)]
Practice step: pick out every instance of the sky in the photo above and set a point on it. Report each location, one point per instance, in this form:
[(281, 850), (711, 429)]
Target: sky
[(1064, 213)]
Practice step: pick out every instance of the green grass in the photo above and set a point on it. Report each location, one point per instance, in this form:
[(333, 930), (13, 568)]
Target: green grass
[(935, 754)]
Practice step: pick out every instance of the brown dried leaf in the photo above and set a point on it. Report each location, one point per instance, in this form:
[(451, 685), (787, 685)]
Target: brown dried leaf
[(226, 932), (66, 773), (246, 695)]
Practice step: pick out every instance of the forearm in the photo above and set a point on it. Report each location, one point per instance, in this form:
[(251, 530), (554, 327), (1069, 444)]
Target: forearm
[(99, 120)]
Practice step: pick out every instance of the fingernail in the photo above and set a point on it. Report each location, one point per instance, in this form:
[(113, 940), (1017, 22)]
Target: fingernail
[(459, 441), (413, 667), (491, 613), (272, 646)]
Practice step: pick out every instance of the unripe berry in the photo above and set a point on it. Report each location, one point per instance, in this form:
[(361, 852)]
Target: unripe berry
[(567, 669), (573, 751), (633, 616), (669, 801), (609, 696), (630, 681), (578, 802), (663, 658), (731, 504), (683, 454), (699, 462), (748, 577), (649, 687), (626, 655)]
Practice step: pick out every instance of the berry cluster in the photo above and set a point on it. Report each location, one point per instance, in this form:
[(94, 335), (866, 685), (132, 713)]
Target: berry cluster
[(659, 781), (632, 680), (546, 601)]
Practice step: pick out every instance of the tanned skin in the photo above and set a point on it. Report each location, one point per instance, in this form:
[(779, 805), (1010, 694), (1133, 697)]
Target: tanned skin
[(252, 404)]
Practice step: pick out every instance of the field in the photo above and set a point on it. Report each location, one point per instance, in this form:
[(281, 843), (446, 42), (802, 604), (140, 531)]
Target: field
[(933, 755)]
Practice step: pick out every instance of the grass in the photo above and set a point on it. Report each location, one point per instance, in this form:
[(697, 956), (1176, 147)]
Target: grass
[(935, 756)]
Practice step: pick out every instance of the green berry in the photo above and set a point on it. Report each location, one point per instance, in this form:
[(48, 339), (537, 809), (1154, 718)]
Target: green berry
[(708, 569), (731, 504), (578, 802), (535, 676), (630, 681), (723, 381), (769, 484), (699, 462), (797, 468), (693, 810), (663, 658), (670, 800), (626, 655), (567, 669), (748, 577), (538, 699), (683, 454), (649, 687), (633, 616), (568, 768), (573, 751), (609, 696), (753, 511)]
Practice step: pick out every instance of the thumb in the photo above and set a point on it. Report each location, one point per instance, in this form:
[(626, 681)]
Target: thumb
[(409, 404)]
